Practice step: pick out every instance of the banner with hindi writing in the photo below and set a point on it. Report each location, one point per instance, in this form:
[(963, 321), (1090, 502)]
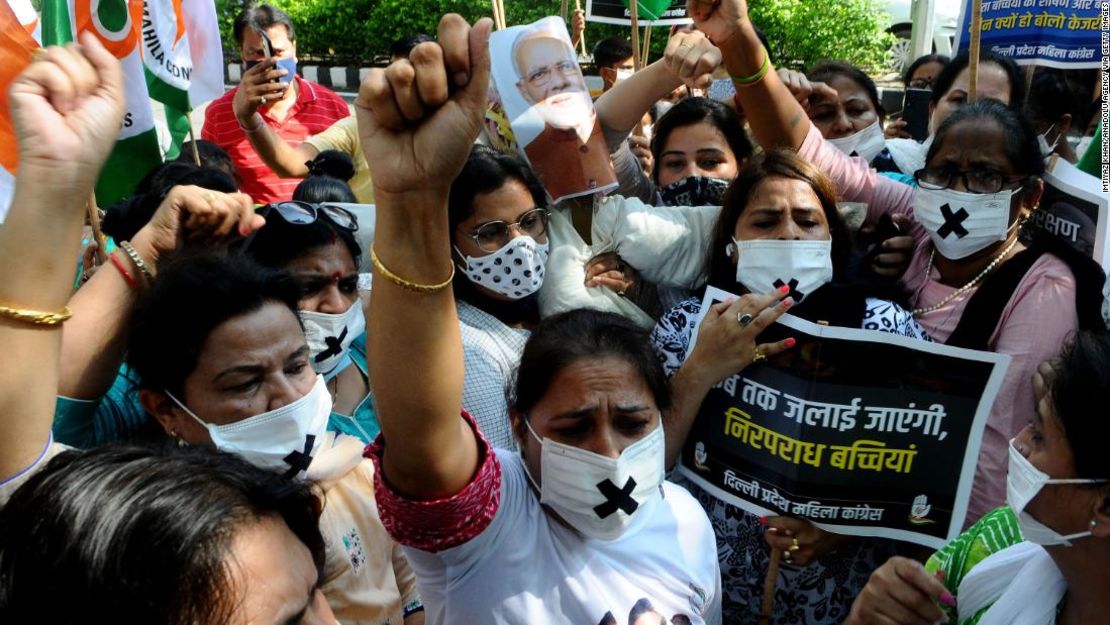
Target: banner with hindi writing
[(617, 12), (1055, 33), (1075, 209), (861, 432)]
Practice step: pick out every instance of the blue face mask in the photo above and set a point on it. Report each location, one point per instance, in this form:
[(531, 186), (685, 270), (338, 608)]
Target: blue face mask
[(289, 65)]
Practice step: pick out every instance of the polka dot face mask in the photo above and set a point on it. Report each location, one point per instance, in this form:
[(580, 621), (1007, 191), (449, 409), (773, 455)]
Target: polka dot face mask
[(515, 270)]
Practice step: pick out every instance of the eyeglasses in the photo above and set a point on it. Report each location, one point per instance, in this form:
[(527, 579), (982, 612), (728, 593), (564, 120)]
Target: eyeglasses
[(302, 213), (542, 76), (922, 83), (493, 235), (975, 180)]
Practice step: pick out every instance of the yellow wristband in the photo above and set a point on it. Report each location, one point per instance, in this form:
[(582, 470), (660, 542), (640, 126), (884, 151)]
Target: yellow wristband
[(405, 284), (747, 81), (36, 317)]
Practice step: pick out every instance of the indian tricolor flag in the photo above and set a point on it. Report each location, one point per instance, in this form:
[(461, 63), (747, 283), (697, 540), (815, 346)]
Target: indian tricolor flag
[(116, 24), (17, 43), (182, 59)]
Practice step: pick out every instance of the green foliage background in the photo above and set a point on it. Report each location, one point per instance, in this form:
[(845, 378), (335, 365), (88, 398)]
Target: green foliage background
[(359, 32)]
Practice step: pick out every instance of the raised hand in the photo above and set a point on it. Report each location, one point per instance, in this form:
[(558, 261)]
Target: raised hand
[(258, 86), (419, 117), (717, 18), (194, 215), (728, 335), (67, 108), (691, 57)]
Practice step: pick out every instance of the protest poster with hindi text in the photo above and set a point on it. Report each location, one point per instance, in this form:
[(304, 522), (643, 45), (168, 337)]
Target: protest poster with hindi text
[(861, 432)]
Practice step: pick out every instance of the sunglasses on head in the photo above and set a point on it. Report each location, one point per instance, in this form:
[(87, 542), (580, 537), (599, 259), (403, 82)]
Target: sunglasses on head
[(303, 213)]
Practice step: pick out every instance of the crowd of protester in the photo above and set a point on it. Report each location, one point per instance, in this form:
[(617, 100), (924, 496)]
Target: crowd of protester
[(358, 368)]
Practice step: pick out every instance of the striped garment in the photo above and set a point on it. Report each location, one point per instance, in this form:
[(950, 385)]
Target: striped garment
[(997, 530), (316, 109)]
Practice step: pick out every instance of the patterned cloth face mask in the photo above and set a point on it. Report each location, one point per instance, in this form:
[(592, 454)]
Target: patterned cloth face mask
[(515, 270)]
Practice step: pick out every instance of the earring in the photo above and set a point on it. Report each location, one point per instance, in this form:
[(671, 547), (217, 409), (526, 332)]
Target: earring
[(1094, 522), (730, 249), (180, 441)]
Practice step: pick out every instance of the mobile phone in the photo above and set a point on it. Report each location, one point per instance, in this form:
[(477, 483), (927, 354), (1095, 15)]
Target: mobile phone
[(885, 229), (915, 111), (267, 45)]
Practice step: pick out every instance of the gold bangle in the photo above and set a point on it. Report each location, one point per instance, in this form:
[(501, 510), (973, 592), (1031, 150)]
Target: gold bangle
[(405, 284), (747, 81), (36, 317), (135, 258)]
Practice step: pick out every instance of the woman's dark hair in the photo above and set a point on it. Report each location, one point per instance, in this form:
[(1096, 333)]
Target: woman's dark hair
[(957, 65), (487, 170), (211, 156), (328, 175), (1083, 380), (781, 163), (1051, 97), (561, 340), (690, 111), (279, 242), (125, 218), (907, 76), (261, 17), (191, 297), (1022, 149), (826, 70), (141, 534)]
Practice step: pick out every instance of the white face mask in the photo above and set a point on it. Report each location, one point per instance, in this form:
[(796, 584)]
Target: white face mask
[(515, 271), (623, 73), (866, 143), (285, 439), (595, 494), (764, 265), (1023, 482), (330, 337), (1042, 141), (961, 223)]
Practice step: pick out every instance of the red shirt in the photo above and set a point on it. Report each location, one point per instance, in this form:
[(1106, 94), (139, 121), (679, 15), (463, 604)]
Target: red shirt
[(316, 108)]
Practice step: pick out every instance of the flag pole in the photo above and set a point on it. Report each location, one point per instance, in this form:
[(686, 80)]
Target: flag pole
[(98, 234), (582, 39), (645, 56), (973, 50), (563, 10), (193, 144), (635, 6), (767, 612)]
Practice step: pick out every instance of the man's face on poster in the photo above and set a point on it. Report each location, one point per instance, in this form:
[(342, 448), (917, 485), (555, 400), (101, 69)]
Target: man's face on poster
[(551, 81)]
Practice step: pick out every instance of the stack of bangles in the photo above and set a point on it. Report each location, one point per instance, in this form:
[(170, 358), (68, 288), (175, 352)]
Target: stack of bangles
[(747, 81), (136, 259), (406, 284)]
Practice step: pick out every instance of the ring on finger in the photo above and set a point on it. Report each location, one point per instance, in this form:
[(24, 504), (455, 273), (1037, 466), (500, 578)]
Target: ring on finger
[(787, 557), (744, 319), (794, 546), (262, 99), (759, 357), (209, 196)]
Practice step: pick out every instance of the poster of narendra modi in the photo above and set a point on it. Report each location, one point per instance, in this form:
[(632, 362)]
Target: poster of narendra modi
[(549, 108)]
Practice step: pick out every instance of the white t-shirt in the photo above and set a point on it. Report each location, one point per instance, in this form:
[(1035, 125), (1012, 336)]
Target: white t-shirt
[(527, 568)]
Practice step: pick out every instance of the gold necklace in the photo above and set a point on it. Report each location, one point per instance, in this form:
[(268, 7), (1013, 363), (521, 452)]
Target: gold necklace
[(917, 312)]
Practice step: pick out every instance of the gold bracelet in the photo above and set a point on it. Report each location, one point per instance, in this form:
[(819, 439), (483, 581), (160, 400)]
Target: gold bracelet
[(135, 258), (36, 317), (405, 284), (747, 81)]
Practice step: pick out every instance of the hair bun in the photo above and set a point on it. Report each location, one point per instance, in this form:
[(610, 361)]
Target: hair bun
[(332, 163)]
